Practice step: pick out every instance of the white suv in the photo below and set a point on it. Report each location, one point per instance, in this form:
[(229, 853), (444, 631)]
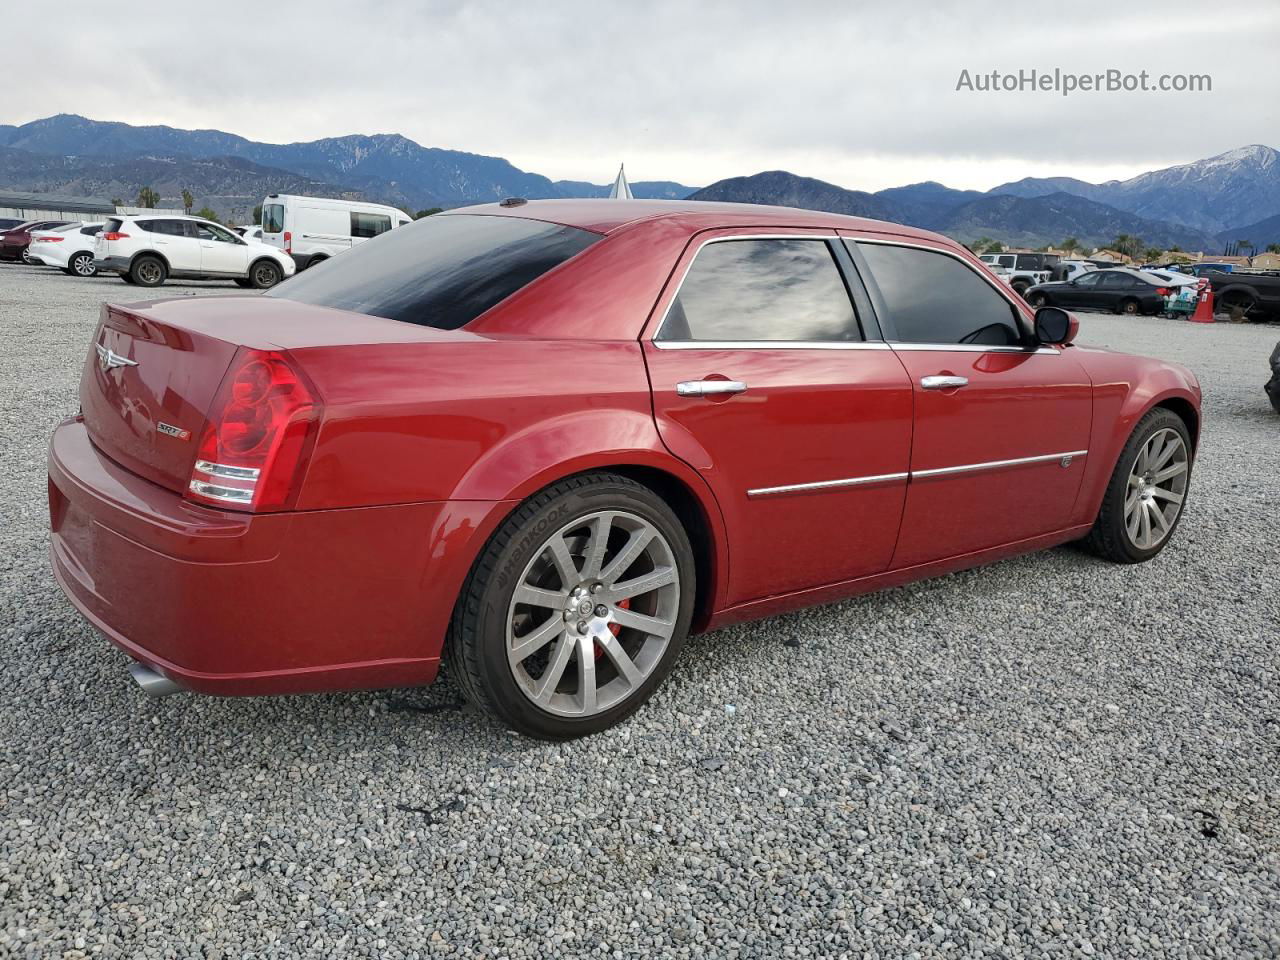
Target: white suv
[(68, 248), (146, 250)]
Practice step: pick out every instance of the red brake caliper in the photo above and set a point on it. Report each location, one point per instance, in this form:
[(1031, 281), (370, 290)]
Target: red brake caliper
[(614, 628)]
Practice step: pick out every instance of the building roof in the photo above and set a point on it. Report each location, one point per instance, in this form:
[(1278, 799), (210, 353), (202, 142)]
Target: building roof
[(54, 201), (621, 190)]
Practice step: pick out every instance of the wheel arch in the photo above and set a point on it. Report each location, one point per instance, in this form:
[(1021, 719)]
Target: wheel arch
[(1186, 412), (151, 253)]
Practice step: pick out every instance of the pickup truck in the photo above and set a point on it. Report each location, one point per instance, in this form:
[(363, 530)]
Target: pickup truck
[(1022, 270), (1256, 295)]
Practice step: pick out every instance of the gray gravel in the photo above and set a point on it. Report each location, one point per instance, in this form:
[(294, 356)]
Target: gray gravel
[(1051, 756)]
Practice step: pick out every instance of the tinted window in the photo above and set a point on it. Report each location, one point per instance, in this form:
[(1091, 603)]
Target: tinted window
[(91, 231), (1089, 280), (210, 231), (273, 217), (762, 290), (1116, 281), (170, 228), (935, 298), (369, 224), (442, 271)]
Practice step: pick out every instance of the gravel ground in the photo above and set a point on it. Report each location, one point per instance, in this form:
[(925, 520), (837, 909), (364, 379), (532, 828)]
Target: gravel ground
[(1051, 756)]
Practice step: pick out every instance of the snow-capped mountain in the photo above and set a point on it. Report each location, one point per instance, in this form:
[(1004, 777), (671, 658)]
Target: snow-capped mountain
[(1213, 194)]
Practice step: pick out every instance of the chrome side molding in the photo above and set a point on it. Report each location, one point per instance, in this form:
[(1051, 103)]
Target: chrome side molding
[(1064, 460)]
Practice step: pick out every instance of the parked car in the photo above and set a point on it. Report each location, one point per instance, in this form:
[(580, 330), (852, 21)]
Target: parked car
[(14, 242), (68, 248), (1121, 290), (548, 440), (8, 223), (146, 250), (249, 233), (313, 229), (1025, 270), (1070, 269), (1255, 295)]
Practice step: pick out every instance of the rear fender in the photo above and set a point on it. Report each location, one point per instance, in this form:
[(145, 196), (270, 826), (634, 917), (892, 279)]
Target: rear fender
[(602, 439)]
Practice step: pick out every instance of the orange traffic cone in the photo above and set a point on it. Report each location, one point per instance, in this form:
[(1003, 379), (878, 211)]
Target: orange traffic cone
[(1204, 307)]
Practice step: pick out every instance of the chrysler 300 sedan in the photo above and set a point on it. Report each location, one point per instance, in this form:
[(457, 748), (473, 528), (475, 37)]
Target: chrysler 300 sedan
[(542, 442)]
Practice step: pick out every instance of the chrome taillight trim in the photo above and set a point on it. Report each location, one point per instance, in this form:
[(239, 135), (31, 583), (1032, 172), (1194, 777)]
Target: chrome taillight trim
[(226, 494), (227, 470)]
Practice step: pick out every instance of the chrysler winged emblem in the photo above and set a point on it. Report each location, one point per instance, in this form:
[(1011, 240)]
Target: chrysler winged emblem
[(108, 359)]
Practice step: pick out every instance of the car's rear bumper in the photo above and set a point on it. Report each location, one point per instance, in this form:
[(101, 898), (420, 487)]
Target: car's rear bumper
[(234, 603), (11, 251), (118, 264)]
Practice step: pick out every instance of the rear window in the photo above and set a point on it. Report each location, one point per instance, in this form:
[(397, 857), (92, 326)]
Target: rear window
[(113, 225), (273, 218), (441, 271)]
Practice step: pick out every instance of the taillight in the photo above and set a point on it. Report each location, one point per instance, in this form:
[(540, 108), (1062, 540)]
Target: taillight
[(48, 240), (115, 236), (260, 429), (288, 242), (1162, 291)]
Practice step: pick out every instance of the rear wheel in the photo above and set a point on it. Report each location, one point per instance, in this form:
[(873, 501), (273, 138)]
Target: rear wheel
[(1020, 287), (576, 609), (1129, 306), (264, 274), (82, 265), (1147, 491), (148, 271), (26, 257), (1238, 300)]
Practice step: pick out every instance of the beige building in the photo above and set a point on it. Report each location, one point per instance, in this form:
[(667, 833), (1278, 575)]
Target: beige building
[(1265, 261)]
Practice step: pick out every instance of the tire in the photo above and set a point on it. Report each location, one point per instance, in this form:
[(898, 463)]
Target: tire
[(264, 274), (315, 260), (490, 621), (24, 256), (126, 278), (148, 271), (243, 282), (1038, 300), (1238, 300), (1129, 307), (1020, 288), (82, 265), (1112, 536)]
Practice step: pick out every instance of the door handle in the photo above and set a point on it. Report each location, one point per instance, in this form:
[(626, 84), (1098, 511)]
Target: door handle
[(943, 383), (709, 388)]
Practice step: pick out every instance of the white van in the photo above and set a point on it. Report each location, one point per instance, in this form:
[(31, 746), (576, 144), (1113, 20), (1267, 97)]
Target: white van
[(311, 229)]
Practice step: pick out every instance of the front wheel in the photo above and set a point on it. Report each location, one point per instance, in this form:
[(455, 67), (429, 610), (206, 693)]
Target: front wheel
[(1147, 491), (576, 609), (265, 273), (1038, 300)]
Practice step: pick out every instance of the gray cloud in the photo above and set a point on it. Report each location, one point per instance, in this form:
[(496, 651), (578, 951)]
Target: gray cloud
[(862, 94)]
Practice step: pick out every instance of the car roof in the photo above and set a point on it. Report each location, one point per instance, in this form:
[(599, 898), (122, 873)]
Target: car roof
[(607, 215)]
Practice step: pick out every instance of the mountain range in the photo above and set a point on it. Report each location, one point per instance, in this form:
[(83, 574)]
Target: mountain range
[(1198, 206)]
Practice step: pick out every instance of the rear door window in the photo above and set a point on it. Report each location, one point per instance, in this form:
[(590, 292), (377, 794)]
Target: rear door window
[(933, 297), (366, 225), (762, 290), (442, 271), (273, 218)]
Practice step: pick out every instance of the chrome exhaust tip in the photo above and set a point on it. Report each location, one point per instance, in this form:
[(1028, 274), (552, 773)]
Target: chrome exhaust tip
[(151, 682)]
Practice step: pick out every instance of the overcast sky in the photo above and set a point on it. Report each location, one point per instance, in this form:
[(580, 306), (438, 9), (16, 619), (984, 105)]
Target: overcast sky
[(859, 94)]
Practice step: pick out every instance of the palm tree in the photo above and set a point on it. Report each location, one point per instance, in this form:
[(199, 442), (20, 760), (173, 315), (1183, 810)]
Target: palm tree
[(188, 201), (1152, 254), (1127, 244), (148, 198), (1070, 245)]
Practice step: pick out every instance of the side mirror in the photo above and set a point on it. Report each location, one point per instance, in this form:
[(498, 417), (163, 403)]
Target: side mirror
[(1056, 326)]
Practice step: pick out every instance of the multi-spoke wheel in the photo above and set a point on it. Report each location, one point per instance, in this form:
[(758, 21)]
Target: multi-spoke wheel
[(576, 609), (1148, 488)]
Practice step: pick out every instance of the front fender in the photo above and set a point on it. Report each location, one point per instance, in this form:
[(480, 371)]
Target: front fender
[(1125, 389)]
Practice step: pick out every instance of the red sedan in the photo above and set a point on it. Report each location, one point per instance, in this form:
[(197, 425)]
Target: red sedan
[(545, 441)]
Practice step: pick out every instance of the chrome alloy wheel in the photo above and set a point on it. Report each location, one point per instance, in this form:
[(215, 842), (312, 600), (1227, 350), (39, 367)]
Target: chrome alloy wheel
[(1157, 486), (83, 265), (592, 613)]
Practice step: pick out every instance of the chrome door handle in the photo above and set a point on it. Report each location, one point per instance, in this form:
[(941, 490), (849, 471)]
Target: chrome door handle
[(709, 388), (943, 383)]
